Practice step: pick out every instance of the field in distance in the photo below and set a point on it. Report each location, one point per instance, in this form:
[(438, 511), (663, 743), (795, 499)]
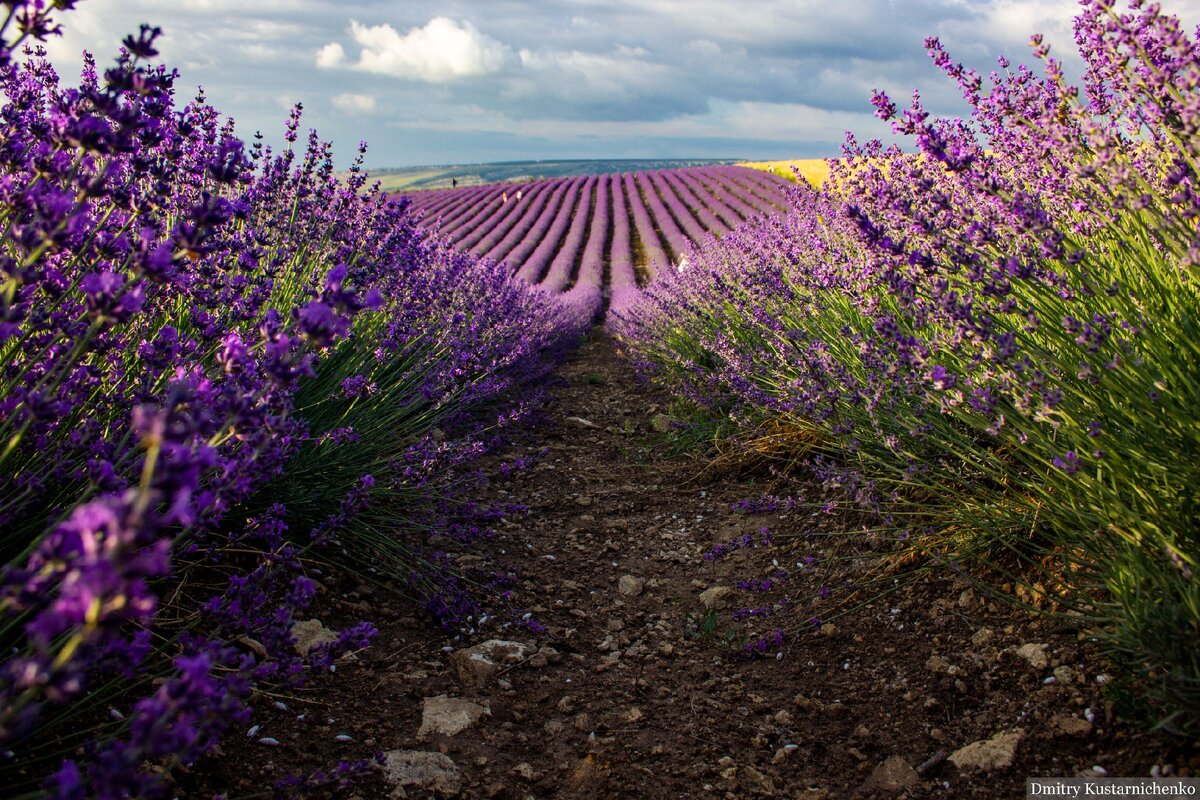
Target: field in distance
[(814, 170), (405, 179)]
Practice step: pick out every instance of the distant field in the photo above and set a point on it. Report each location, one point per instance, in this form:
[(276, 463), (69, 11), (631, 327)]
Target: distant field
[(600, 236), (411, 179), (814, 170)]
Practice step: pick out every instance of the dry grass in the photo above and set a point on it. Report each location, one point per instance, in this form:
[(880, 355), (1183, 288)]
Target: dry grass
[(780, 443)]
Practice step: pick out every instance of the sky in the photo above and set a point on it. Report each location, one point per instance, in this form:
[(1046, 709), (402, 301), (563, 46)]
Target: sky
[(457, 82)]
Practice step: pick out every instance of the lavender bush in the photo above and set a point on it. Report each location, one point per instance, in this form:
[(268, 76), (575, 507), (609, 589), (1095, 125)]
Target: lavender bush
[(991, 343), (190, 330)]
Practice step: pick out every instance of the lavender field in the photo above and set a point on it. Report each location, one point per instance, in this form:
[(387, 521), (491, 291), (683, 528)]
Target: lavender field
[(665, 483), (600, 239)]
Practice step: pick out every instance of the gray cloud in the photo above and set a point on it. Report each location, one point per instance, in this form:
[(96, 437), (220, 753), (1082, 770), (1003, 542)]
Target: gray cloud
[(463, 80)]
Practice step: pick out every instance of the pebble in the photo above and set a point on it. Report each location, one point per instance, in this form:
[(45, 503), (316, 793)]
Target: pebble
[(630, 586)]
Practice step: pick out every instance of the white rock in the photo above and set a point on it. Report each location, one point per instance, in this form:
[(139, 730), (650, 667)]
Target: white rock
[(1035, 654), (476, 666), (310, 633), (991, 754), (448, 716), (630, 586)]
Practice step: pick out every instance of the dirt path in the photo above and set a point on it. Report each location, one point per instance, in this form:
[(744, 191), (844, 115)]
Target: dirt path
[(628, 693)]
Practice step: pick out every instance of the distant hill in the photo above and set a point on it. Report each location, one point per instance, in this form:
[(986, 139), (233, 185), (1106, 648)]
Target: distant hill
[(404, 179)]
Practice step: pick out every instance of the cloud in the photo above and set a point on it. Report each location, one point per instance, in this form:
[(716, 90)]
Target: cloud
[(471, 81), (442, 51), (354, 103), (331, 55)]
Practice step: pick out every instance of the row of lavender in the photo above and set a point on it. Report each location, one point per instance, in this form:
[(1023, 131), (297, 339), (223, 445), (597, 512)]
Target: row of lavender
[(600, 235), (991, 346), (219, 366)]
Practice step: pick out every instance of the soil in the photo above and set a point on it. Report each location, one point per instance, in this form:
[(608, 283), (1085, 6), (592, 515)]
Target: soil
[(637, 689)]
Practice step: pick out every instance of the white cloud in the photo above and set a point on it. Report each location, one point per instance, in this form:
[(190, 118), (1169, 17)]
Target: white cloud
[(443, 50), (354, 103), (331, 55)]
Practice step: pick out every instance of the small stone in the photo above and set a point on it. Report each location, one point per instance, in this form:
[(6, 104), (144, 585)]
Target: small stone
[(630, 586), (988, 755), (828, 629), (661, 423), (583, 500), (715, 597), (582, 723), (554, 727), (526, 771), (476, 666), (1067, 725), (583, 423), (311, 633), (1034, 654), (936, 663), (632, 715), (783, 718), (894, 774), (567, 704), (982, 636), (434, 772), (448, 716), (666, 649), (538, 661)]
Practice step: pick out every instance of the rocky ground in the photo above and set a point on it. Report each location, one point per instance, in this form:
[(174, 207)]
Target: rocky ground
[(641, 685)]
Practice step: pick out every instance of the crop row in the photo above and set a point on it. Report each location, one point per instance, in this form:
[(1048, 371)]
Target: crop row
[(220, 366), (600, 236), (988, 346)]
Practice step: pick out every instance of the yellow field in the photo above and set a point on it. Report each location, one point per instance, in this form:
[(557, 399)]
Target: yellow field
[(814, 170)]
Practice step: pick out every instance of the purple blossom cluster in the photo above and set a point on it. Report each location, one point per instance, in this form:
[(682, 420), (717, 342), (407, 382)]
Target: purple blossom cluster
[(992, 336), (745, 541), (191, 331)]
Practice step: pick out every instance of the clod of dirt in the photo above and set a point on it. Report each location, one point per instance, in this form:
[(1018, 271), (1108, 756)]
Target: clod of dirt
[(988, 755), (716, 597), (423, 770), (630, 586), (1035, 654), (1067, 725), (449, 716), (894, 774), (757, 782)]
